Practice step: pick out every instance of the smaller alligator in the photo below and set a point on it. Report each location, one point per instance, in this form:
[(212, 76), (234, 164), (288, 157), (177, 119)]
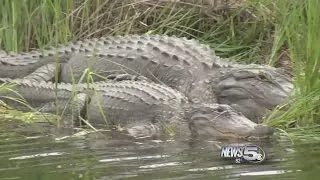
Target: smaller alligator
[(142, 108)]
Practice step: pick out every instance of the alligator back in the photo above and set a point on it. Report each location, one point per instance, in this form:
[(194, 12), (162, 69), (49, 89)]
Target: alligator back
[(127, 104), (176, 62), (138, 104), (25, 63), (22, 64)]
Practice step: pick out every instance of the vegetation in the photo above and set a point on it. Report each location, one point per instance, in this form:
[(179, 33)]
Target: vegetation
[(283, 33)]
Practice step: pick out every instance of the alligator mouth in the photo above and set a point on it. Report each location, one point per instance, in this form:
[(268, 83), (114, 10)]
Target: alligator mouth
[(237, 88), (248, 137), (256, 138), (230, 125), (245, 93), (258, 132), (268, 133)]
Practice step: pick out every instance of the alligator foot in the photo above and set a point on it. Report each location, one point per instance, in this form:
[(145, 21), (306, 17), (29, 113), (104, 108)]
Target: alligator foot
[(124, 77), (144, 131)]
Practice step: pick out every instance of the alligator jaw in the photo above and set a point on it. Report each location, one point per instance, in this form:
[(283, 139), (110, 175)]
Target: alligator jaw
[(219, 121)]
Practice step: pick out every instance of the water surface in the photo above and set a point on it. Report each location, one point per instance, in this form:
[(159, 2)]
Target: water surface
[(47, 153)]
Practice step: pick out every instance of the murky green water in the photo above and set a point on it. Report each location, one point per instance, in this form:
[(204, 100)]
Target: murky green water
[(27, 154)]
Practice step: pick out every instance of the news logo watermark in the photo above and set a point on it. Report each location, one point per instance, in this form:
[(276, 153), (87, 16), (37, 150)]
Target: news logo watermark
[(243, 154)]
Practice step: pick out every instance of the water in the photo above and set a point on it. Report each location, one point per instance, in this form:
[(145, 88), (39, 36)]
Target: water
[(49, 153)]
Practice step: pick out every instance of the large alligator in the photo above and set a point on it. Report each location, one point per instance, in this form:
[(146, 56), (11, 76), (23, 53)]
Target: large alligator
[(182, 64), (142, 108)]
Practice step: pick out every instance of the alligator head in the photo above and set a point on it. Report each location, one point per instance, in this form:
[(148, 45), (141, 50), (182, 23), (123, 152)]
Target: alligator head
[(252, 90), (220, 121)]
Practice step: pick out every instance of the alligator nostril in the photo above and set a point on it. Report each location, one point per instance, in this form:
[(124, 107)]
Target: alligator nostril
[(270, 131)]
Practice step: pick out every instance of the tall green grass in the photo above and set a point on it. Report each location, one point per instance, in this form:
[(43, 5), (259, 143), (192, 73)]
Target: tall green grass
[(31, 24), (298, 27), (254, 32)]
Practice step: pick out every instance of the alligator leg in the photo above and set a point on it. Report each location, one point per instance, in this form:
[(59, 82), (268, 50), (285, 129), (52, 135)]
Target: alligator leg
[(3, 54), (49, 72), (169, 126), (71, 110), (78, 109), (44, 73), (143, 130)]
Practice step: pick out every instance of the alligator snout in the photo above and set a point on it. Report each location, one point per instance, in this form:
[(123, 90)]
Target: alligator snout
[(261, 130), (223, 122)]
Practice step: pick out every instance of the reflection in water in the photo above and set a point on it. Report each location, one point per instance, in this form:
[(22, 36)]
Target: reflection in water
[(81, 154), (37, 155)]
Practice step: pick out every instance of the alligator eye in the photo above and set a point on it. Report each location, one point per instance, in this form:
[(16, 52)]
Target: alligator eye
[(262, 76), (220, 109)]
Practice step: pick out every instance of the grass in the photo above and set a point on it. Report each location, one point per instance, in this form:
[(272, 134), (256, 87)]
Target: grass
[(297, 29), (253, 32), (8, 93)]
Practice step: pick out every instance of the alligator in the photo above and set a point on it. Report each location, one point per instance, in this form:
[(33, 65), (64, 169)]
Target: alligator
[(252, 90), (182, 64), (141, 108)]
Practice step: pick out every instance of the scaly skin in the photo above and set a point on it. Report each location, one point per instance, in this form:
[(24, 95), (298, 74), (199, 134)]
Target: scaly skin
[(252, 90), (142, 108), (177, 62), (167, 45), (182, 64)]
